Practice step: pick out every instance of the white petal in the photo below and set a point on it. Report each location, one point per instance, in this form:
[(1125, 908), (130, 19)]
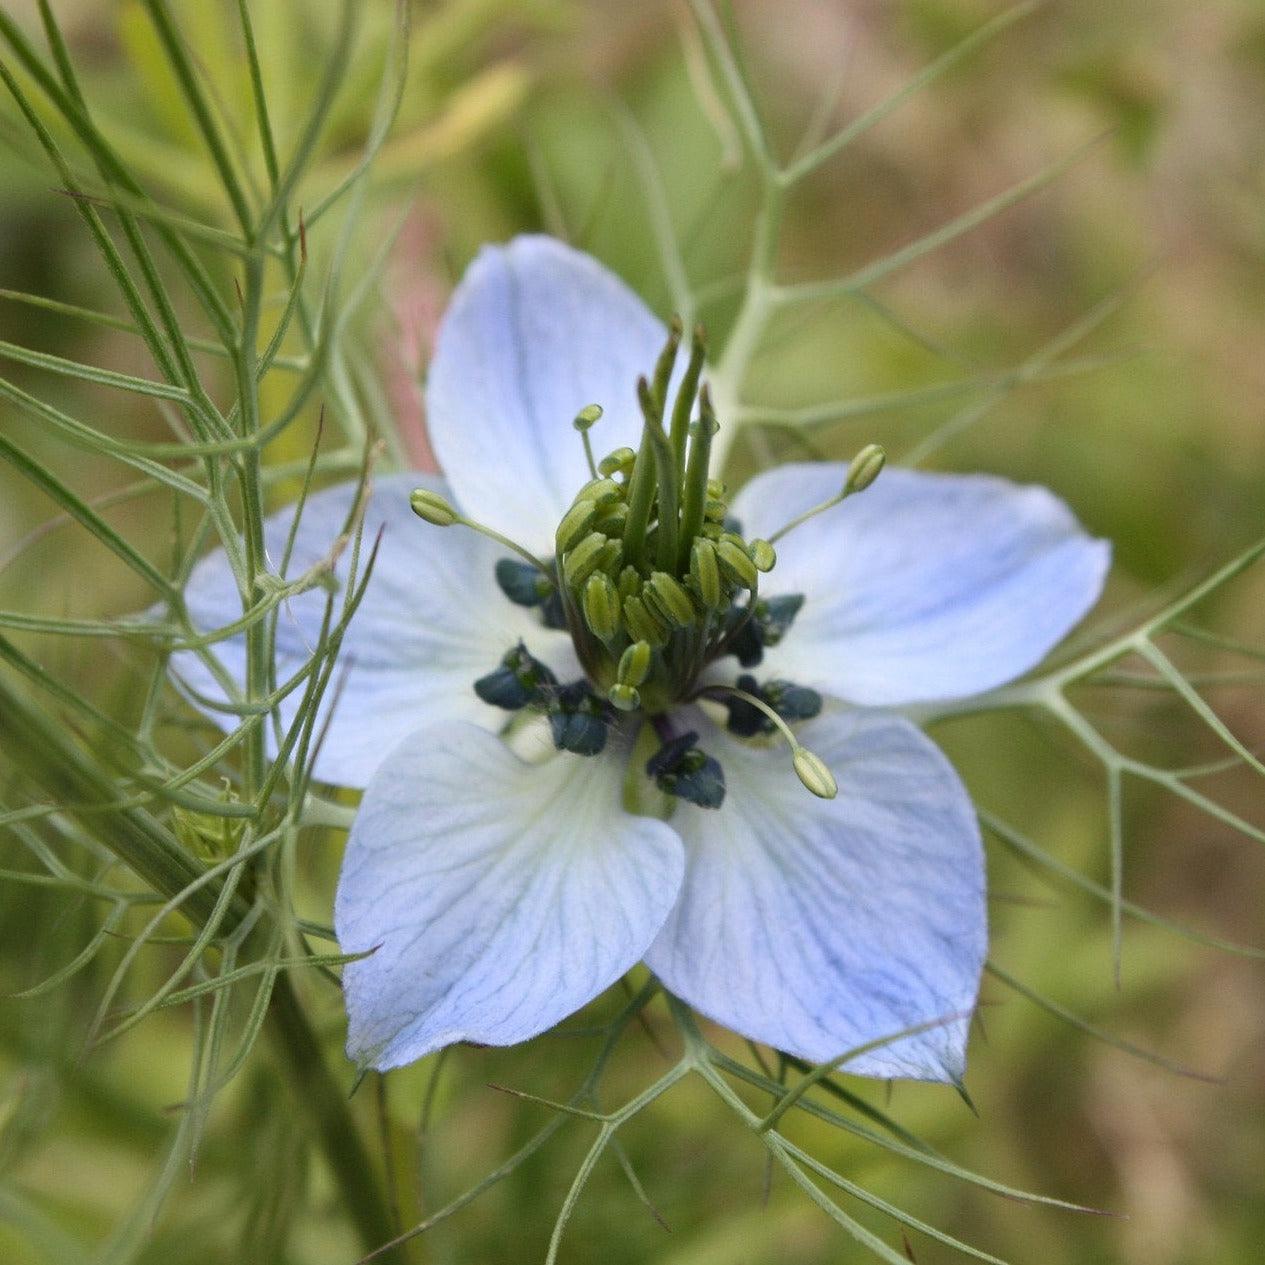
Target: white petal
[(500, 896), (432, 621), (923, 587), (534, 332), (820, 925)]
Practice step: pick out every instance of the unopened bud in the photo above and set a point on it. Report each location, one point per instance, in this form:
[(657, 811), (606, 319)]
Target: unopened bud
[(435, 509), (601, 605), (864, 469), (813, 772), (587, 416)]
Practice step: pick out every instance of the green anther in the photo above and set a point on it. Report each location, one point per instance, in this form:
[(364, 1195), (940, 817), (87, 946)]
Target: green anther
[(864, 468), (734, 539), (599, 491), (811, 769), (705, 574), (624, 697), (618, 462), (584, 420), (634, 664), (611, 559), (694, 496), (642, 624), (629, 582), (434, 508), (680, 428), (575, 524), (737, 564), (762, 554), (600, 603), (670, 598), (583, 560), (612, 518)]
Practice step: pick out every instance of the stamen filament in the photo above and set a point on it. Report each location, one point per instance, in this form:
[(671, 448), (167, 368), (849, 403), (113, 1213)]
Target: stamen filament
[(523, 553), (809, 767), (864, 468), (584, 422)]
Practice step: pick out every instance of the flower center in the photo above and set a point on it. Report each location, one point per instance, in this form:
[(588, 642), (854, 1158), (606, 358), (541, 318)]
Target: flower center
[(654, 581)]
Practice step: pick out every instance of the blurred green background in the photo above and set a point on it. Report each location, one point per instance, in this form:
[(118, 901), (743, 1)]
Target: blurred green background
[(515, 118)]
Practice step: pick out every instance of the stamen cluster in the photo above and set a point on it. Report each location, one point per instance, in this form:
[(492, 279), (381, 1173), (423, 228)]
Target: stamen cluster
[(655, 579)]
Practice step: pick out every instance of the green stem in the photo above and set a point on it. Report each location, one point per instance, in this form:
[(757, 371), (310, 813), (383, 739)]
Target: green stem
[(321, 1097)]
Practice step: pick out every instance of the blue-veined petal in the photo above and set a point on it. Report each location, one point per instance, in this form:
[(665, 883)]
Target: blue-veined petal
[(501, 896), (534, 333), (923, 587), (818, 926), (432, 621)]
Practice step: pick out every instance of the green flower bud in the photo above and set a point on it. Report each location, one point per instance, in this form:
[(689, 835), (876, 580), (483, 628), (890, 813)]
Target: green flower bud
[(575, 523), (812, 771), (634, 664), (763, 555), (667, 596), (434, 508), (601, 605), (583, 560), (864, 469), (704, 573), (736, 563), (715, 510), (717, 489)]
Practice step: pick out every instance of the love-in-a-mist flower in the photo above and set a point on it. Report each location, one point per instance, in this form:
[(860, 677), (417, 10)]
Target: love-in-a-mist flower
[(723, 789)]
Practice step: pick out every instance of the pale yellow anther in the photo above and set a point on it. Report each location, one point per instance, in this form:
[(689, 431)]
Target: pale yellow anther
[(600, 604), (814, 773), (669, 598), (432, 507), (583, 560)]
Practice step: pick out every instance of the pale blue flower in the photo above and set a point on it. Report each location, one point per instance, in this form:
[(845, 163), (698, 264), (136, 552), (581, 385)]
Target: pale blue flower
[(501, 893)]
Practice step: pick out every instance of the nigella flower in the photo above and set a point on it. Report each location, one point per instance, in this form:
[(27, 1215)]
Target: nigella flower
[(706, 679)]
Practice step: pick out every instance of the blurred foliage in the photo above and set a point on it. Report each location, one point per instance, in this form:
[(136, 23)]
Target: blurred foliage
[(517, 116)]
